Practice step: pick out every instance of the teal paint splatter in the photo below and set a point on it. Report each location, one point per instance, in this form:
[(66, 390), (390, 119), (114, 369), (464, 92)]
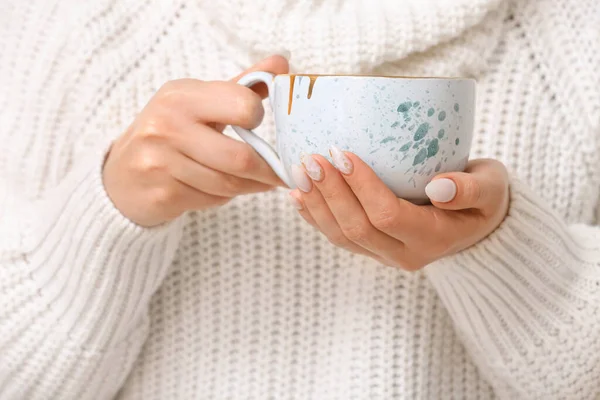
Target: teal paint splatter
[(456, 107), (433, 148), (416, 104), (430, 112), (392, 149), (457, 141), (387, 139), (403, 126), (441, 133), (395, 124), (293, 130), (404, 107), (421, 131), (438, 166), (420, 157), (406, 146), (442, 115), (377, 149)]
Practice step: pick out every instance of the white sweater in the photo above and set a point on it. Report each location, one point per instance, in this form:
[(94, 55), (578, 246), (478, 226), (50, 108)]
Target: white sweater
[(247, 301)]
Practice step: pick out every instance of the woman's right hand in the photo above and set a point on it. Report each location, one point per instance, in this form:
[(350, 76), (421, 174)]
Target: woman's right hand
[(174, 158)]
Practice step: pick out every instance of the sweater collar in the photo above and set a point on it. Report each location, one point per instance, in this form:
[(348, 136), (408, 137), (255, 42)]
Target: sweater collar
[(348, 36)]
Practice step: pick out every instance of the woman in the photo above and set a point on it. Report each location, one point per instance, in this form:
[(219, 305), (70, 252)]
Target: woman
[(145, 255)]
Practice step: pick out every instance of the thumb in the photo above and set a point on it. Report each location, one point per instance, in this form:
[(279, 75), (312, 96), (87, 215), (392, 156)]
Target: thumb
[(483, 185)]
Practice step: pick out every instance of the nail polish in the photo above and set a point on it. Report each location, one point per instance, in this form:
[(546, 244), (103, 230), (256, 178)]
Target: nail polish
[(301, 179), (441, 190), (341, 161), (313, 169)]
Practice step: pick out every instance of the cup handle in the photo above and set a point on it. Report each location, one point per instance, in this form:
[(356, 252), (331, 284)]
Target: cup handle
[(259, 145)]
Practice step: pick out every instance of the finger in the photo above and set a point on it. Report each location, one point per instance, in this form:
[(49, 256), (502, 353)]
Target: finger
[(275, 64), (296, 201), (482, 186), (213, 182), (396, 217), (216, 102), (185, 197), (222, 153), (315, 206), (333, 198), (295, 198)]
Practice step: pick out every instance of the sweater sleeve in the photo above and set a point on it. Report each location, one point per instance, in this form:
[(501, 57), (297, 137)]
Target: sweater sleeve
[(526, 300), (76, 278)]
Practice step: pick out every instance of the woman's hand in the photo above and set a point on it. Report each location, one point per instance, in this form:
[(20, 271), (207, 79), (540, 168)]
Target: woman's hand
[(356, 211), (174, 158)]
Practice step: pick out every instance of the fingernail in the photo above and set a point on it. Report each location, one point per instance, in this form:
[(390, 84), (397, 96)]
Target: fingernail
[(294, 201), (341, 162), (313, 169), (301, 179), (441, 190)]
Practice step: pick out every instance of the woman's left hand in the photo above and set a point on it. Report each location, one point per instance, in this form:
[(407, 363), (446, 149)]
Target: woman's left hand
[(354, 209)]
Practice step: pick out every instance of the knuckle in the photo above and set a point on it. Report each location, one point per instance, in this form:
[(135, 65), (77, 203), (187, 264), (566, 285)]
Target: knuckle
[(473, 191), (244, 159), (162, 197), (339, 240), (386, 220), (357, 233), (172, 91), (331, 193), (231, 186), (249, 110), (149, 161), (152, 128)]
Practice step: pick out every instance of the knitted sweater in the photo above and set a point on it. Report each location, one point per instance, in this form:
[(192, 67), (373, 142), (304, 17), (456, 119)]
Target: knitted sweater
[(246, 301)]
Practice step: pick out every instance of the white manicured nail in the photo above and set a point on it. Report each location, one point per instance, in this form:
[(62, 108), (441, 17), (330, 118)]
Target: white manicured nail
[(341, 162), (301, 179), (313, 169), (294, 201), (441, 190)]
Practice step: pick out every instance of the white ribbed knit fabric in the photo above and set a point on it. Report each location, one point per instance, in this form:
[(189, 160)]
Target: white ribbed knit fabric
[(247, 301)]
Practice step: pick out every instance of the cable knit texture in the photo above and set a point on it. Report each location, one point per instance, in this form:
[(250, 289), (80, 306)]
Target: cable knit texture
[(247, 301)]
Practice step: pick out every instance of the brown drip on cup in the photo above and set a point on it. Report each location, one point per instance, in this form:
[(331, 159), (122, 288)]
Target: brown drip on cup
[(312, 78), (292, 80)]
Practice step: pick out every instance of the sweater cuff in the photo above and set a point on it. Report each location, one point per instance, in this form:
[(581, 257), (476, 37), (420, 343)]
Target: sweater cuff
[(525, 284), (92, 270)]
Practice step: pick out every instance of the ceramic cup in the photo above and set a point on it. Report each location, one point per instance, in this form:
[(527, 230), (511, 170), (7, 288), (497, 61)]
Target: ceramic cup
[(407, 129)]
